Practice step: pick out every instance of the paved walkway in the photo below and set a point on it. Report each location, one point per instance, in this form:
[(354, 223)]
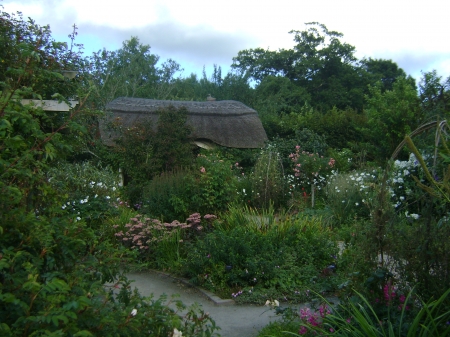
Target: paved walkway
[(234, 320)]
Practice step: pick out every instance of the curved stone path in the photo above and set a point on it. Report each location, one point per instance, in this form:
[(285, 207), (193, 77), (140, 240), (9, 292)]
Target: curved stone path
[(233, 319)]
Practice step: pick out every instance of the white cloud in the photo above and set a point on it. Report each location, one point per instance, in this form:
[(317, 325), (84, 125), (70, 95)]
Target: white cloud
[(201, 32)]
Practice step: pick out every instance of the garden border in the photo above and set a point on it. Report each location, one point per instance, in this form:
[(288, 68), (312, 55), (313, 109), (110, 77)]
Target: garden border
[(208, 294)]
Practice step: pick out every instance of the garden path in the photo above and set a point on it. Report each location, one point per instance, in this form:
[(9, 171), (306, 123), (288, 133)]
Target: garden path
[(233, 319)]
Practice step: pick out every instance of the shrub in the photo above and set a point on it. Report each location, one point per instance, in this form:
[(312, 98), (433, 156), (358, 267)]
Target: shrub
[(282, 258), (350, 195), (212, 184), (91, 192), (166, 196), (358, 317), (310, 171), (161, 243), (268, 180)]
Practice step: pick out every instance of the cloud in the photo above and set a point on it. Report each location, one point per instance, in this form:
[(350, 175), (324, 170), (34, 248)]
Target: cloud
[(201, 32), (199, 45)]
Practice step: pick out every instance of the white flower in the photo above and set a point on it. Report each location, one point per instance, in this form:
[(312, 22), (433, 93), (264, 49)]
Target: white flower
[(78, 218), (243, 190), (133, 312), (95, 196), (108, 197), (415, 216), (274, 303), (177, 333), (356, 203), (402, 198), (114, 188), (63, 206)]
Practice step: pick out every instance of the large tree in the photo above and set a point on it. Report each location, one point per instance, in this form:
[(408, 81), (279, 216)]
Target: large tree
[(131, 71), (392, 114), (320, 63)]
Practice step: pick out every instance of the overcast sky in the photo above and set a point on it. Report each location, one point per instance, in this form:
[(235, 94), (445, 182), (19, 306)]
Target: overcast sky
[(196, 33)]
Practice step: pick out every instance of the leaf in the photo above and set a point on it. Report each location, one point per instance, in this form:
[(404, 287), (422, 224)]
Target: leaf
[(83, 333), (50, 152)]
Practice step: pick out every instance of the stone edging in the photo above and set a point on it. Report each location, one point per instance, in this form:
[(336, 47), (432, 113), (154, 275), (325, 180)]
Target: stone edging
[(211, 296)]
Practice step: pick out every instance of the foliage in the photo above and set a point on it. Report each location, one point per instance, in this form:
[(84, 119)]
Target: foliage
[(350, 195), (161, 243), (144, 151), (90, 192), (391, 116), (283, 258), (212, 185), (306, 138), (131, 71), (53, 267), (319, 63), (32, 62), (208, 187), (166, 196), (310, 170), (359, 317), (434, 93), (268, 187), (385, 71), (133, 151), (172, 146)]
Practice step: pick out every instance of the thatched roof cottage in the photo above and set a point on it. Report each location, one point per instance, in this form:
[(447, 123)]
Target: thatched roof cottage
[(226, 123)]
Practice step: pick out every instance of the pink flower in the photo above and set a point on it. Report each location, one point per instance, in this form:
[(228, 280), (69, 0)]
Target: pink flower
[(202, 169)]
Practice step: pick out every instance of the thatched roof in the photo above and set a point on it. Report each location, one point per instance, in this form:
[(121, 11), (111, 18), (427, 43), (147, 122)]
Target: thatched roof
[(227, 123)]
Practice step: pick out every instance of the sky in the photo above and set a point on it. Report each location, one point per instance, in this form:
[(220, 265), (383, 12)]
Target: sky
[(199, 33)]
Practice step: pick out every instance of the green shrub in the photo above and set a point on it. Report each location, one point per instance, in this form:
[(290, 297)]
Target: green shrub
[(283, 258), (166, 196), (91, 192), (212, 184), (53, 266), (310, 172), (268, 181), (350, 195), (400, 316)]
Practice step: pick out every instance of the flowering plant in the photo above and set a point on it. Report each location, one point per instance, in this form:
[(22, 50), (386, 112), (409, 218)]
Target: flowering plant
[(310, 169)]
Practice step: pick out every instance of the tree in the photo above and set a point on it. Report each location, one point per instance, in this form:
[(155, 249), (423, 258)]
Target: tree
[(385, 71), (131, 72), (392, 115), (434, 95), (172, 144), (319, 63)]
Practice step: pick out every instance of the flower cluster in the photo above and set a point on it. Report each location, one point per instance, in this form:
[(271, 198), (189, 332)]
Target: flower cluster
[(272, 304), (310, 168), (402, 186), (237, 293), (141, 232), (313, 318), (391, 297)]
